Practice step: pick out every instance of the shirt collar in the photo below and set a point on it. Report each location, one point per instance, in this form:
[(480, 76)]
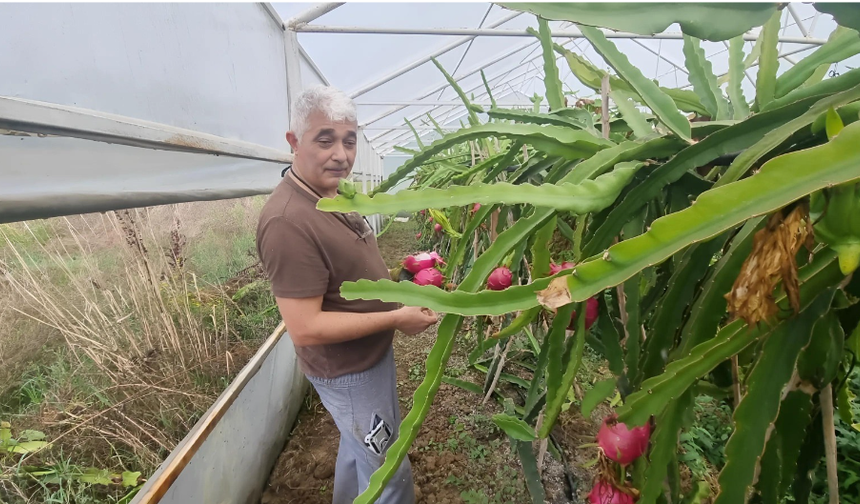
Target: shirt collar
[(300, 188)]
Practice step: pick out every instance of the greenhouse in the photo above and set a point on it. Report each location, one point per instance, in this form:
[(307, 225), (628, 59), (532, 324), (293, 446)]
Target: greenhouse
[(637, 224)]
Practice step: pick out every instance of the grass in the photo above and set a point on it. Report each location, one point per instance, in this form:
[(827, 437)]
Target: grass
[(119, 330), (399, 237)]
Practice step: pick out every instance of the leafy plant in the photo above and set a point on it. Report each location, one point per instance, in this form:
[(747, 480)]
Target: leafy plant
[(848, 446), (716, 248), (25, 443), (703, 442), (60, 475)]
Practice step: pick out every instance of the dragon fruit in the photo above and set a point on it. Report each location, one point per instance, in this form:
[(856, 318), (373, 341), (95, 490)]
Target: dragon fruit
[(591, 312), (500, 279), (556, 268), (418, 262), (605, 492), (429, 276), (621, 444)]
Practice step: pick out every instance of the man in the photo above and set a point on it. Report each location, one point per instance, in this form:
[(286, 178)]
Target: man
[(344, 347)]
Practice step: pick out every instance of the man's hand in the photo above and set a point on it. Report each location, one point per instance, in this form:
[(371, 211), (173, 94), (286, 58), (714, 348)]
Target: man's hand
[(413, 319), (309, 325)]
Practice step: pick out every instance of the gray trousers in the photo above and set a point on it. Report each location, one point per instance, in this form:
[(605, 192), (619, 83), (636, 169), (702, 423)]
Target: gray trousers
[(365, 408)]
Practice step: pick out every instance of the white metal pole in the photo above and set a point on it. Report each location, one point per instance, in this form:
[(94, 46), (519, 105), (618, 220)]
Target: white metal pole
[(662, 57), (311, 14), (423, 128), (294, 69), (424, 59), (784, 55), (270, 10), (311, 63), (814, 21), (277, 19), (517, 72), (396, 140), (401, 137), (434, 103), (522, 70), (798, 20), (389, 144), (373, 183), (365, 168), (469, 73), (17, 114), (495, 32)]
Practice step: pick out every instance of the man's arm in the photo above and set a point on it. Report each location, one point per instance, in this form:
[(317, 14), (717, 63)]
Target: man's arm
[(309, 325)]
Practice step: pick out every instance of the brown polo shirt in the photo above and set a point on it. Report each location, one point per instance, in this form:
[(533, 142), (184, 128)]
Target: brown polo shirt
[(308, 253)]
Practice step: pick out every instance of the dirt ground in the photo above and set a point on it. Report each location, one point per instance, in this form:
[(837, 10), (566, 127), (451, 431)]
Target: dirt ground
[(459, 456)]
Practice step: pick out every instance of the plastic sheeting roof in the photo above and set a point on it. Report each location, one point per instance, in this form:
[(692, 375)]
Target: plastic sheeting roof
[(351, 61)]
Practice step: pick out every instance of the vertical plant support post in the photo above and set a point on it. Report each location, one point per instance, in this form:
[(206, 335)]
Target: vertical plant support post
[(604, 105), (830, 442)]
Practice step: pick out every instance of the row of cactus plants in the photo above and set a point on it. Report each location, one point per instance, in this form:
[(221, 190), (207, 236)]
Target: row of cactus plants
[(711, 241)]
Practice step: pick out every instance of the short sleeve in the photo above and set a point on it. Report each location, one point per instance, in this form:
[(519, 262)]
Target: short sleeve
[(291, 259)]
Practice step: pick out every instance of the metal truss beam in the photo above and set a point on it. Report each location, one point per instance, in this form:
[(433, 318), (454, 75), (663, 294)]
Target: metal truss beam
[(312, 14), (522, 70), (459, 108), (41, 118), (518, 72), (424, 59), (468, 73), (494, 32)]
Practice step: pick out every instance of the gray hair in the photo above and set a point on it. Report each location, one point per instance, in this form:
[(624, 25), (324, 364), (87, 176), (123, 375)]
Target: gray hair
[(332, 102)]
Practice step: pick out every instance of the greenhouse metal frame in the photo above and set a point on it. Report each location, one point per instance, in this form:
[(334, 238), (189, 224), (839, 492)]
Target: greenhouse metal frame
[(208, 466)]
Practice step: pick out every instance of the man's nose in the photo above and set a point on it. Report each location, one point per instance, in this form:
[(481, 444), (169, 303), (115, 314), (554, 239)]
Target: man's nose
[(338, 153)]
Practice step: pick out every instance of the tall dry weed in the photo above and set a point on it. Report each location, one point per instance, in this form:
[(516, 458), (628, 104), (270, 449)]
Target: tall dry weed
[(151, 341)]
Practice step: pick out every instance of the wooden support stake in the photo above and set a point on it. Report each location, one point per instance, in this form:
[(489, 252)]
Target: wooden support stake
[(736, 382), (498, 370), (604, 105), (830, 442)]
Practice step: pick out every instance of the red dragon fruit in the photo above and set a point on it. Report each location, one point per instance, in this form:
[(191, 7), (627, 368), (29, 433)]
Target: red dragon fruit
[(556, 268), (437, 257), (418, 262), (591, 312), (621, 444), (500, 279), (421, 261), (429, 276), (605, 492)]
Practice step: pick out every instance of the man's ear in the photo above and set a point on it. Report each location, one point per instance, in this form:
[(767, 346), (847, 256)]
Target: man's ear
[(293, 140)]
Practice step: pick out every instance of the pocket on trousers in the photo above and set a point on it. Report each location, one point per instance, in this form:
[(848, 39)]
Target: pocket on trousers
[(379, 436)]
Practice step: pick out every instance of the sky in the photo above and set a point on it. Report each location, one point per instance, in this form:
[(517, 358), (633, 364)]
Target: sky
[(352, 61)]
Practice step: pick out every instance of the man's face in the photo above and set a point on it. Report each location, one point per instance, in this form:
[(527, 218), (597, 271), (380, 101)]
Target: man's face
[(326, 152)]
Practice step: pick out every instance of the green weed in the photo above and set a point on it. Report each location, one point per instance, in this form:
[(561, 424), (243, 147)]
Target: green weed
[(254, 313), (704, 442), (416, 371), (217, 257), (474, 497), (25, 235)]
